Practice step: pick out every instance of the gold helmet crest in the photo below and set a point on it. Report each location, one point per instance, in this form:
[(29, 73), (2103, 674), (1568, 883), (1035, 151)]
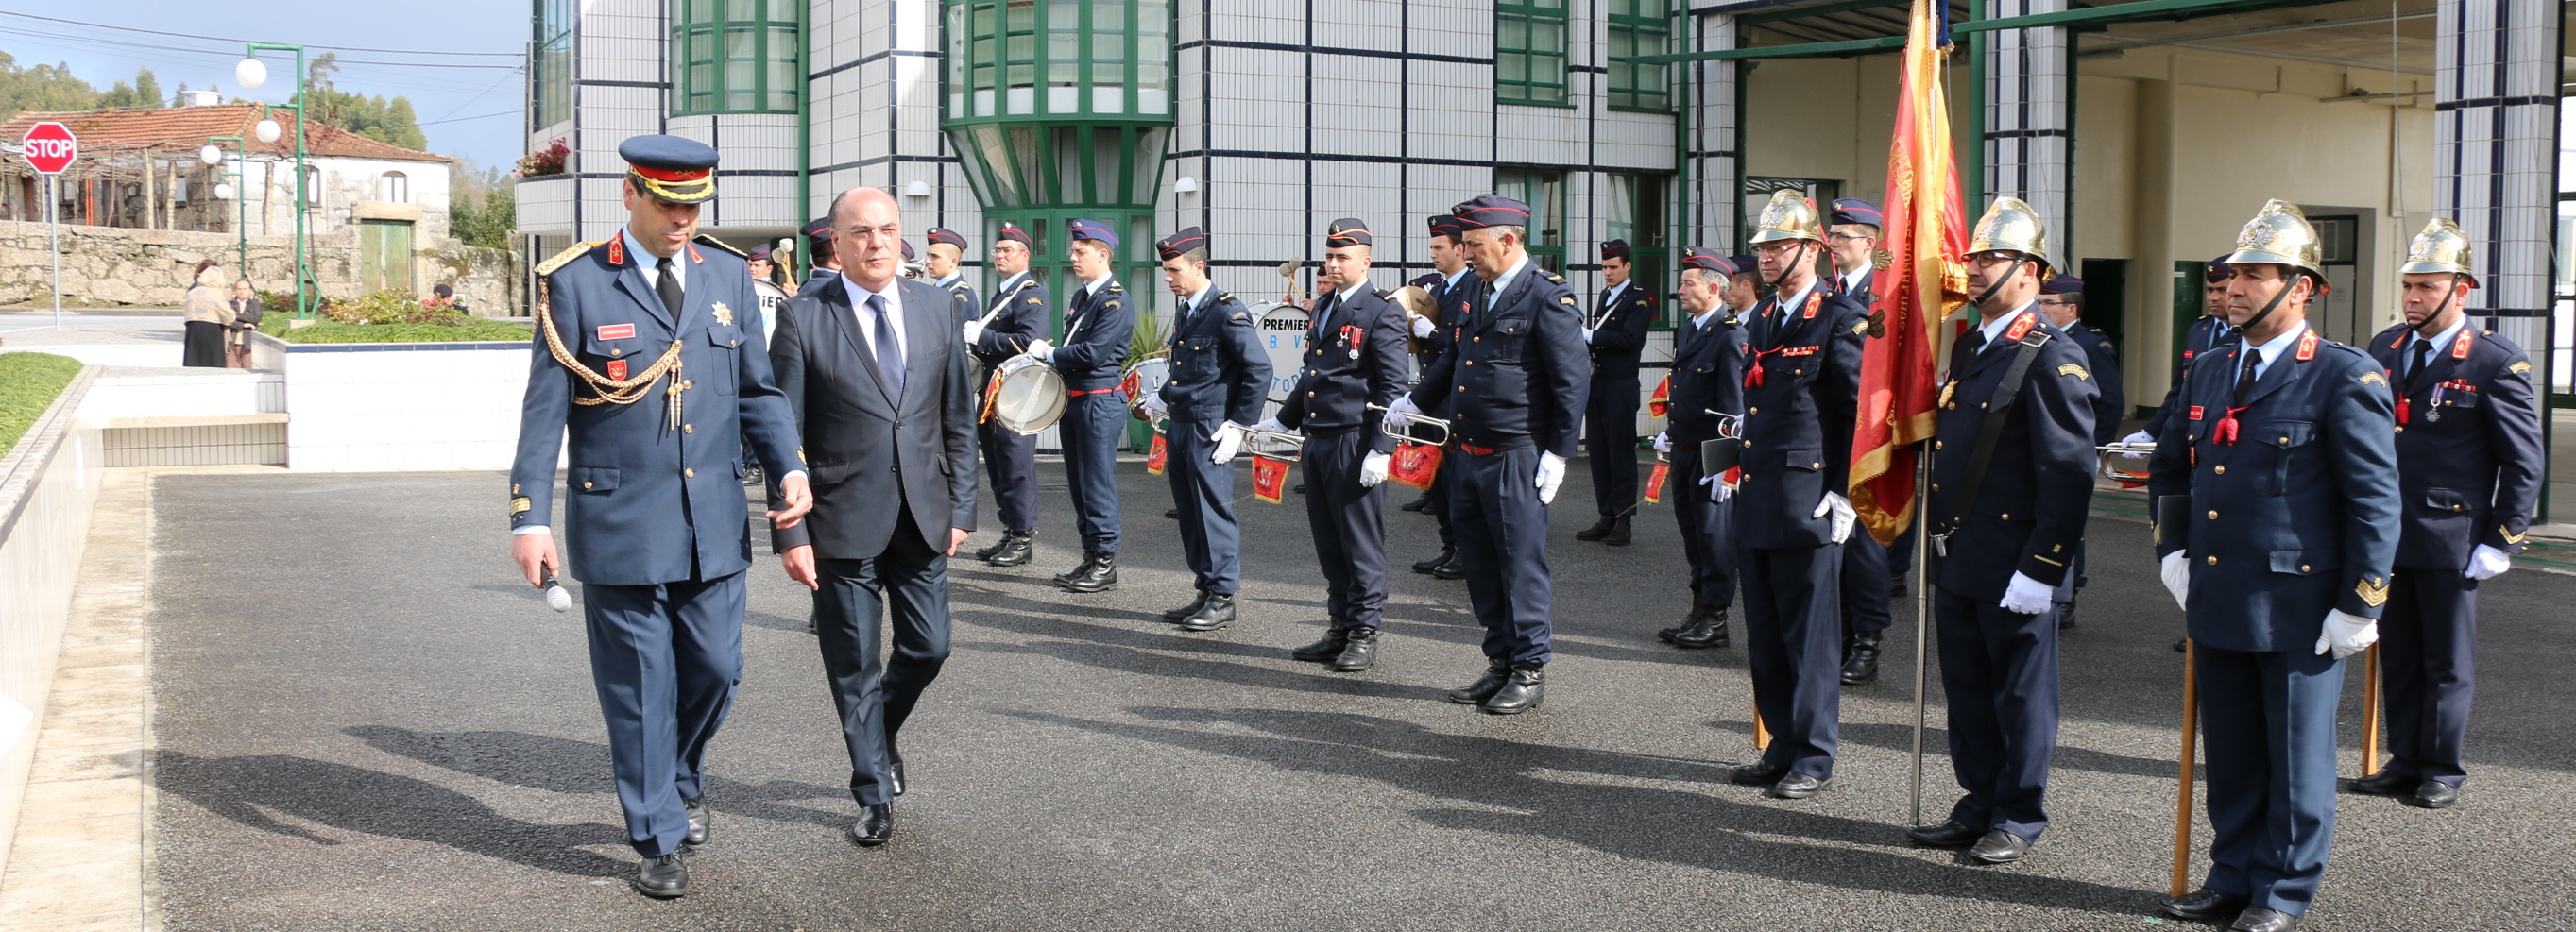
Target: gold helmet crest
[(1790, 215), (2010, 225), (2440, 249), (2280, 235)]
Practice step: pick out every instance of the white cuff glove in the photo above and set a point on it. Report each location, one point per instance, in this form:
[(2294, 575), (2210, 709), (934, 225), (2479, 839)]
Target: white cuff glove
[(1395, 412), (1551, 473), (2345, 634), (2028, 596), (1843, 514), (1157, 408), (1718, 490), (1422, 328), (1041, 350), (1373, 469), (974, 330), (1229, 441), (2134, 439), (1663, 442), (1587, 336), (2487, 563), (2177, 575), (1272, 425)]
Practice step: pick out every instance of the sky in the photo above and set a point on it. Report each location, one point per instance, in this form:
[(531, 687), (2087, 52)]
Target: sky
[(473, 112)]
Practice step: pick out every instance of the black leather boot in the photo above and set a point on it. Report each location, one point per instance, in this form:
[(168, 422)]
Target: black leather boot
[(1017, 548), (1599, 529), (1336, 636), (1176, 614), (986, 553), (1449, 570), (1896, 585), (1860, 660), (1710, 632), (1526, 688), (1697, 612), (1427, 567), (1360, 653), (2066, 614), (1098, 573), (1419, 503), (1618, 536), (1497, 673), (1216, 612)]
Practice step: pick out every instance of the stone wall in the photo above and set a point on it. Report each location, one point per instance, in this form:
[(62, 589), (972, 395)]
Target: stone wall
[(123, 266)]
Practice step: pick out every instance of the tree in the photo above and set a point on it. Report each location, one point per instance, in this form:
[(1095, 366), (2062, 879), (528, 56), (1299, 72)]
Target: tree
[(42, 88), (144, 92), (376, 118), (481, 209)]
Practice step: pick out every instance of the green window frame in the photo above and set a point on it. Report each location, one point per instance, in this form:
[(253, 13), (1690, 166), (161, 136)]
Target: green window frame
[(1529, 53), (1637, 211), (735, 56), (552, 64), (1544, 191), (1638, 28), (1010, 58)]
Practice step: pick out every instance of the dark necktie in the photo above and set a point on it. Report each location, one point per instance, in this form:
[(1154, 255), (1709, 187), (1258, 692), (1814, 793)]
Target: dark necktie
[(2245, 378), (1970, 343), (2415, 367), (666, 282), (889, 352)]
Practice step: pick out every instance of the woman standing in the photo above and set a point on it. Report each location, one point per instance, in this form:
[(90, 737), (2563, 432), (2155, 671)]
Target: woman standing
[(246, 311), (207, 315)]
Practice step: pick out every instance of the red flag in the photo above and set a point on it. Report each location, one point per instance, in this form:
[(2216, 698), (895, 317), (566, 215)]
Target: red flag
[(1922, 279)]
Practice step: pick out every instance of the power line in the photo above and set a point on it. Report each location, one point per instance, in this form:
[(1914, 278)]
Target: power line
[(486, 116), (182, 35), (156, 47)]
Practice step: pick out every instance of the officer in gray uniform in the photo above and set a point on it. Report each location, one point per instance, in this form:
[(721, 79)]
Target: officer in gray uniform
[(644, 355), (1220, 377)]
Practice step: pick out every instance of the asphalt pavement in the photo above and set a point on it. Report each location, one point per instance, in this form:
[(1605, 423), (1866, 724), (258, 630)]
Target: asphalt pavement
[(366, 721)]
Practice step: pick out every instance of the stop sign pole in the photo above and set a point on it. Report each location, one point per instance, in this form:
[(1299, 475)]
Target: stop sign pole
[(51, 148)]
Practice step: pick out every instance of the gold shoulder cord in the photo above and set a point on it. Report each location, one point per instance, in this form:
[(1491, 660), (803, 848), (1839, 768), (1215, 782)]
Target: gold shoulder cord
[(610, 391)]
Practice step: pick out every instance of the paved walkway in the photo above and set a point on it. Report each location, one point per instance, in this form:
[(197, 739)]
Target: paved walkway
[(364, 721)]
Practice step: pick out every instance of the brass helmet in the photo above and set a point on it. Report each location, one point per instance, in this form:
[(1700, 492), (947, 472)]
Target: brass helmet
[(2440, 249), (1790, 215), (2280, 235), (2010, 225)]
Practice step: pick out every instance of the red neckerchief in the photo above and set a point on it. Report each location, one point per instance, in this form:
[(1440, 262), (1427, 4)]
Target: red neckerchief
[(1753, 366)]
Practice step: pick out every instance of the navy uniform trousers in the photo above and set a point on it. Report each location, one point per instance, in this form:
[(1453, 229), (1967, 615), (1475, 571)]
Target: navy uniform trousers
[(1502, 545), (1864, 583), (1796, 660), (1010, 461), (665, 659), (1610, 432), (873, 698), (1999, 671), (2428, 646), (2271, 843), (1349, 525), (1092, 426), (1708, 530), (1204, 493)]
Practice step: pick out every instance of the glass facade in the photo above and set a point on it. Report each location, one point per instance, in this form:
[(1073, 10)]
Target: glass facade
[(735, 56), (1529, 52), (1639, 27), (552, 64)]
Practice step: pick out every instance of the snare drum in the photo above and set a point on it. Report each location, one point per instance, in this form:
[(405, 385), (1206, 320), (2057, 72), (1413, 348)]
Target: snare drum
[(1026, 396), (1144, 380)]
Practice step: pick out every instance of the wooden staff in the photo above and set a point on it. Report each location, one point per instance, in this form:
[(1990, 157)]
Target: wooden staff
[(2190, 730), (2370, 712), (1761, 732)]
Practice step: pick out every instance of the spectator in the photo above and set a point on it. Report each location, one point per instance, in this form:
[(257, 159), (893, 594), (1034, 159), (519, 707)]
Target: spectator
[(246, 312), (207, 315)]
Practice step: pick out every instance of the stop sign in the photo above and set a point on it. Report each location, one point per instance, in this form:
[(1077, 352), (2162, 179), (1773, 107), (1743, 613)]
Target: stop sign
[(51, 147)]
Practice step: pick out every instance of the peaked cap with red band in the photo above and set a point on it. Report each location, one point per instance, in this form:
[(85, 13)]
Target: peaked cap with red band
[(1178, 244), (1491, 210), (671, 168)]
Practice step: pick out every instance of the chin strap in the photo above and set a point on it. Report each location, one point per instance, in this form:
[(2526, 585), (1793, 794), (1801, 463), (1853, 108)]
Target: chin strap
[(2274, 304), (1771, 286), (1981, 299), (2447, 296)]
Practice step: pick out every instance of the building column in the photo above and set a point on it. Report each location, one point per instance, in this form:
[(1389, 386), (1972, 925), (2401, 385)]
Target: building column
[(1714, 141), (2495, 139), (2027, 131)]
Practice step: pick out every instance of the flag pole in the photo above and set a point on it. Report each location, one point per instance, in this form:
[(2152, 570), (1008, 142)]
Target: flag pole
[(1922, 618)]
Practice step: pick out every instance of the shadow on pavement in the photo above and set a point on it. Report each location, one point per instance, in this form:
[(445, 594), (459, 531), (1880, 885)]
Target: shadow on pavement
[(562, 765)]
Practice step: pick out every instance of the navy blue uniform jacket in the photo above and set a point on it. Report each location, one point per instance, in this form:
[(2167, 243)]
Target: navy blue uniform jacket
[(2110, 399), (1094, 351), (1708, 375), (2205, 336), (1018, 315), (1220, 372), (1798, 422), (1517, 377), (2472, 475), (1619, 333), (1353, 360), (2030, 509)]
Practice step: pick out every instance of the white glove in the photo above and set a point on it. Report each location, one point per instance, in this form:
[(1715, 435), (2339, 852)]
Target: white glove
[(1373, 469), (2345, 634), (2028, 596), (1551, 473), (2487, 563), (1587, 336), (1156, 407), (1422, 328), (1395, 412), (1718, 490), (1843, 514), (1041, 350), (1272, 425), (1229, 441), (2134, 439), (974, 330), (1663, 442), (2177, 575)]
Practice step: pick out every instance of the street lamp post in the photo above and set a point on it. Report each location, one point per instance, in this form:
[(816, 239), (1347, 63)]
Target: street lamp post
[(241, 209), (252, 73)]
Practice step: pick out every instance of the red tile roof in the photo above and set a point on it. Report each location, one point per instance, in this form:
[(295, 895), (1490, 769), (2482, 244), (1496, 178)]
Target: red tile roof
[(184, 130)]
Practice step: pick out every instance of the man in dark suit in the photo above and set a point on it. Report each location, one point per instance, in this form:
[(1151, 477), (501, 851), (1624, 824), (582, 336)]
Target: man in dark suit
[(1017, 317), (657, 519), (2061, 300), (877, 373), (1615, 331), (2278, 515), (1514, 387), (2469, 463), (1450, 292), (1220, 377), (825, 262), (2010, 489), (1097, 325), (1354, 360), (1801, 394), (1707, 392)]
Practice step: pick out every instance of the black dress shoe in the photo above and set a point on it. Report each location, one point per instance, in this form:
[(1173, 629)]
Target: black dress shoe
[(1176, 614), (1301, 488), (698, 821), (875, 827), (1426, 567), (1756, 774), (1419, 503), (2386, 782), (1710, 632), (2263, 919), (752, 478), (1216, 612), (1860, 659), (1688, 622), (986, 553), (2182, 645), (1618, 536), (1523, 691), (2435, 794), (1950, 834), (1795, 785), (1336, 636), (2065, 614), (1172, 513), (1449, 570), (1098, 573), (1599, 529), (1999, 847), (1896, 586), (894, 772), (1360, 653), (1016, 549), (2202, 905), (663, 878), (1496, 674)]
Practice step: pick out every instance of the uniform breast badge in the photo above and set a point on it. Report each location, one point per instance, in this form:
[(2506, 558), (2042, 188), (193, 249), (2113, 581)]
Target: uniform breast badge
[(724, 315)]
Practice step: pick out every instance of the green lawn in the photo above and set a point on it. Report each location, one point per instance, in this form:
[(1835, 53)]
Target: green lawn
[(328, 332), (29, 382)]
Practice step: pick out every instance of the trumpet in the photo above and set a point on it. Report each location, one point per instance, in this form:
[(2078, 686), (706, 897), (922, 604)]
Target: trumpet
[(1413, 421), (1273, 444), (2113, 454)]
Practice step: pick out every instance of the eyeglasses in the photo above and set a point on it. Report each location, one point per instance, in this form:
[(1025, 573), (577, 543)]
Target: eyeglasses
[(1779, 246), (1848, 237)]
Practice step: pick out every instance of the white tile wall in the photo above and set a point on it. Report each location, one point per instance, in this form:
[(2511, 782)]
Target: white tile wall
[(2026, 96), (2499, 132)]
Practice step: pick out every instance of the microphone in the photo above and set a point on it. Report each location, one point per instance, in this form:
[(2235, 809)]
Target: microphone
[(556, 596)]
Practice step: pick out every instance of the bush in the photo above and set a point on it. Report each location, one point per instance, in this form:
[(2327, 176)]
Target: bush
[(469, 330), (29, 383), (394, 307)]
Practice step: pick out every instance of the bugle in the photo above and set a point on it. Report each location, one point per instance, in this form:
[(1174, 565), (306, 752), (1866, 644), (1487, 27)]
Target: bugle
[(1411, 421)]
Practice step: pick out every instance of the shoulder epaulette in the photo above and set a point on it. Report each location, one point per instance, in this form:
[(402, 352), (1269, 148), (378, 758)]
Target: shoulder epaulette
[(1114, 287), (1551, 276), (706, 240), (558, 261), (1223, 297)]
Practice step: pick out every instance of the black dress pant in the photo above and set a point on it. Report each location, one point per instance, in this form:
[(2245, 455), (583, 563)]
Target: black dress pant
[(875, 682)]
